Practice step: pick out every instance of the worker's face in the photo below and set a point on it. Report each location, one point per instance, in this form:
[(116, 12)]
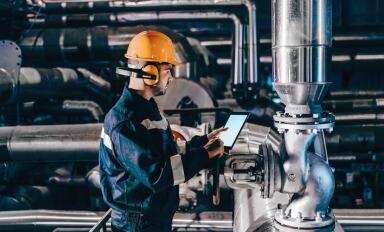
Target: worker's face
[(165, 78)]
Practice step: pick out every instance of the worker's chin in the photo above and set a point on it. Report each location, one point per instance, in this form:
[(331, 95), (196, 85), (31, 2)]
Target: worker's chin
[(161, 92)]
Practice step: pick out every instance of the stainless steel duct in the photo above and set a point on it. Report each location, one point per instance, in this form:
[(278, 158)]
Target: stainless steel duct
[(300, 42), (50, 143)]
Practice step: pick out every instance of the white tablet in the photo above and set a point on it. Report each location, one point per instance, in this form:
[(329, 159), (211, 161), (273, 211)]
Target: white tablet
[(234, 124)]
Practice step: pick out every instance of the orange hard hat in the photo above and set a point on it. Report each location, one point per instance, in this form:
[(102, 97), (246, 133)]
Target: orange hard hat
[(152, 46)]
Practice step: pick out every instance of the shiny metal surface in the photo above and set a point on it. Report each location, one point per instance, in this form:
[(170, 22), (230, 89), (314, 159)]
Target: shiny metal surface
[(295, 162), (300, 64), (253, 55), (361, 219), (33, 220), (125, 5), (317, 194), (36, 83), (301, 23), (50, 143), (320, 146), (251, 136), (301, 93), (301, 36), (351, 220), (10, 62), (251, 211)]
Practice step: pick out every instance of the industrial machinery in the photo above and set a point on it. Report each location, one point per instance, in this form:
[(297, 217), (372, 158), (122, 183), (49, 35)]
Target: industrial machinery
[(310, 158)]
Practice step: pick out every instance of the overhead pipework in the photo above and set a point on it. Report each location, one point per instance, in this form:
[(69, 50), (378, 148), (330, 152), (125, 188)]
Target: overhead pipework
[(245, 87)]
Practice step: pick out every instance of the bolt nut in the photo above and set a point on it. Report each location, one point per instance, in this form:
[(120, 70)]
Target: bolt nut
[(292, 177), (299, 217)]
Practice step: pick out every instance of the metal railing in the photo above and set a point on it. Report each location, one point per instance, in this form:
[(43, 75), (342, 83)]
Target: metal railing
[(101, 225)]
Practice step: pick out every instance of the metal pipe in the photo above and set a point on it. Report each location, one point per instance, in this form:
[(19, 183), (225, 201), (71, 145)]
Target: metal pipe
[(313, 203), (353, 105), (32, 220), (359, 118), (28, 220), (80, 142), (295, 161), (356, 94), (253, 55), (301, 37), (41, 83), (356, 138), (93, 108), (78, 6), (253, 213), (50, 143)]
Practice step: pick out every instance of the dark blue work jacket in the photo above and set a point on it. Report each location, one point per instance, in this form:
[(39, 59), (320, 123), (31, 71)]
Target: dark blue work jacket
[(140, 164)]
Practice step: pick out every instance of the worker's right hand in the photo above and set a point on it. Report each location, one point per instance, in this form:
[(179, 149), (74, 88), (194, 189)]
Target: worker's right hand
[(214, 147)]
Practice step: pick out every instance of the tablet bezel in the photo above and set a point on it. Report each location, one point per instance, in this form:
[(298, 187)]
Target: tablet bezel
[(236, 113)]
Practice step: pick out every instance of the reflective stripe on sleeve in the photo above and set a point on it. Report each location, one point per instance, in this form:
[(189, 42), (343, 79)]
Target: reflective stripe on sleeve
[(177, 170), (106, 139), (181, 146), (161, 124)]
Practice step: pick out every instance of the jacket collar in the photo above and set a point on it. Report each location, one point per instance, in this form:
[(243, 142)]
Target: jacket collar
[(131, 97)]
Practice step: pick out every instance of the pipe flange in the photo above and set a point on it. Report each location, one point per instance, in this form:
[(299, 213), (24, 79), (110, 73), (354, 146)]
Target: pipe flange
[(314, 128), (284, 117), (322, 222), (304, 123), (267, 188)]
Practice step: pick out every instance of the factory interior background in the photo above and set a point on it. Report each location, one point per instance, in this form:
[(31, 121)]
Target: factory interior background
[(316, 104)]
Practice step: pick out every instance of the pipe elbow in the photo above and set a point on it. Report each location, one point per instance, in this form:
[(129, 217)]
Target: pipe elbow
[(318, 191)]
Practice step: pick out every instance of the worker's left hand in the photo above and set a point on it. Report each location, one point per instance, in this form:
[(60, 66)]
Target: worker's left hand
[(216, 132)]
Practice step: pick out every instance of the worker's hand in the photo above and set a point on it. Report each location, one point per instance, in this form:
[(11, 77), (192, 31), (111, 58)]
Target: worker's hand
[(214, 147), (216, 132)]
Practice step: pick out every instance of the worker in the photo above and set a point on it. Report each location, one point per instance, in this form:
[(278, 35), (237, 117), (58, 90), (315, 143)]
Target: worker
[(141, 165)]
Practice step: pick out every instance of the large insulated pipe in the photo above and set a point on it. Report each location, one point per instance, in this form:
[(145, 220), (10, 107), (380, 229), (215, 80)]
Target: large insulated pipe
[(50, 143), (41, 83), (301, 37)]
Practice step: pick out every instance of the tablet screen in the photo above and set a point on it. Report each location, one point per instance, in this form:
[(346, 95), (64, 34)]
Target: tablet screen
[(235, 124)]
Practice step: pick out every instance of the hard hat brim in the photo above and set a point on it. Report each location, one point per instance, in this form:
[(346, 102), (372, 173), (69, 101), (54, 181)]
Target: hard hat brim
[(173, 62)]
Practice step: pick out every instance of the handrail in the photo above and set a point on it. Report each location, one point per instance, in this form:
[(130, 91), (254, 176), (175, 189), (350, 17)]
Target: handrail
[(101, 225)]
